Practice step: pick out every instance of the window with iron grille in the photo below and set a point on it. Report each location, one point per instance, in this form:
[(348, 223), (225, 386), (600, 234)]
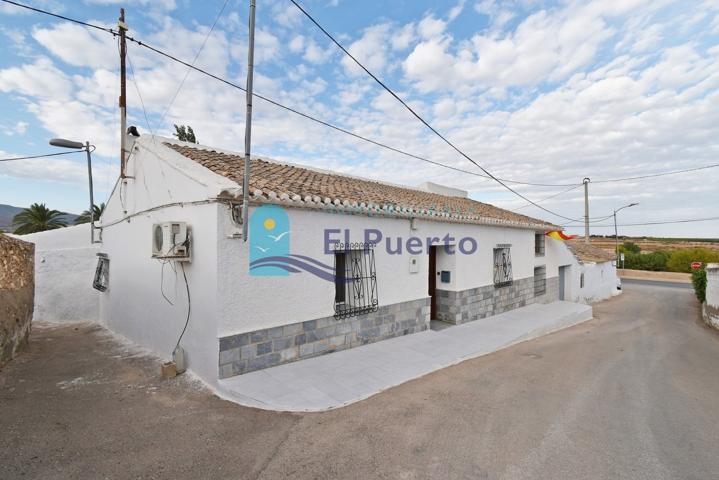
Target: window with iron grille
[(539, 244), (355, 280), (502, 266), (540, 281), (581, 280), (102, 273)]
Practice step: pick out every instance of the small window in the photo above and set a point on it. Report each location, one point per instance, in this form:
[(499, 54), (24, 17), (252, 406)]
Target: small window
[(502, 266), (581, 281), (539, 244), (102, 273), (355, 280), (540, 281)]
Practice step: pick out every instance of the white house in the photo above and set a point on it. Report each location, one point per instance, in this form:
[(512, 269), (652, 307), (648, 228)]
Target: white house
[(332, 262), (592, 275)]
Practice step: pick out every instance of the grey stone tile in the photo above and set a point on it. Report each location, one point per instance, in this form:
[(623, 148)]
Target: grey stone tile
[(263, 348), (229, 356), (293, 329), (281, 344)]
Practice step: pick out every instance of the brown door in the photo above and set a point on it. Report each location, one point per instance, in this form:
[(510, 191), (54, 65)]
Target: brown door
[(433, 281)]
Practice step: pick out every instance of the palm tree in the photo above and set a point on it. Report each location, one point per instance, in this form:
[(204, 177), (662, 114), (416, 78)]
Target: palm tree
[(85, 216), (37, 218)]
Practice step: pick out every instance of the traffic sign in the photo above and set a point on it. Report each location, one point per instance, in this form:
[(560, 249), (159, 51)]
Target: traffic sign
[(696, 265)]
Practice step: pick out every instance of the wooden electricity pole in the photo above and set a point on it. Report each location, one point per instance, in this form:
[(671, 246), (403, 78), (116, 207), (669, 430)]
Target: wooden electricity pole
[(586, 210), (122, 28)]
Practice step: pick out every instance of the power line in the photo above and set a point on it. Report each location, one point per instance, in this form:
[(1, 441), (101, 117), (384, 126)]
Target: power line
[(39, 156), (639, 177), (652, 223), (419, 117), (197, 55), (550, 197), (297, 112)]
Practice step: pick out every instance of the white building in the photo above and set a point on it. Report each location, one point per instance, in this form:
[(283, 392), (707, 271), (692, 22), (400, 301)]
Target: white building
[(276, 298)]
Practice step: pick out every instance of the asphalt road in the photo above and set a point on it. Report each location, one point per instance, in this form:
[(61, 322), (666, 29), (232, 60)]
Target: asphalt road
[(656, 283), (631, 394)]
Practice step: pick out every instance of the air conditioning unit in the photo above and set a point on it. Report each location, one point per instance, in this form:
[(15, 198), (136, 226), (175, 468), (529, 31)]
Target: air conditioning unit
[(171, 240)]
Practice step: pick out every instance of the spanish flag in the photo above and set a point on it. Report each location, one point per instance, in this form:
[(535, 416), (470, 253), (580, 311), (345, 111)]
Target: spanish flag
[(559, 235)]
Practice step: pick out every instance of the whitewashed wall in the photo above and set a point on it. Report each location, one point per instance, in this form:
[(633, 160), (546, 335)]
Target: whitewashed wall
[(65, 264), (600, 279), (133, 305), (251, 303)]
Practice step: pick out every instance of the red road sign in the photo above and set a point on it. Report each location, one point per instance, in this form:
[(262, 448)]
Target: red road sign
[(696, 265)]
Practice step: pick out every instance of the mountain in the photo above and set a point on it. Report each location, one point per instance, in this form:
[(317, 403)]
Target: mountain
[(7, 212)]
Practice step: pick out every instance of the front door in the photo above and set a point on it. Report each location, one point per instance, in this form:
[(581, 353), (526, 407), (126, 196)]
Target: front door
[(432, 280), (562, 281)]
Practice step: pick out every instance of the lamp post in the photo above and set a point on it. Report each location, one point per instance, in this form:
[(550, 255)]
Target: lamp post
[(63, 143), (616, 237)]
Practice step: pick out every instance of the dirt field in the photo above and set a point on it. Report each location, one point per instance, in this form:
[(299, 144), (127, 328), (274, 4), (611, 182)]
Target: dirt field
[(653, 245), (659, 276)]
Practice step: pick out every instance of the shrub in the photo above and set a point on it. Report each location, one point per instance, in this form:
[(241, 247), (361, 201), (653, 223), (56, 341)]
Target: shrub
[(699, 279), (681, 260), (656, 261), (629, 247)]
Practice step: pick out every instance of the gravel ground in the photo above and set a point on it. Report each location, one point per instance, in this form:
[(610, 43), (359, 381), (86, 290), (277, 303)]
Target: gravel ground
[(630, 394)]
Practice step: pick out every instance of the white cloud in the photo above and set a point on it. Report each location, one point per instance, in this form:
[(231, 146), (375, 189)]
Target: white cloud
[(39, 79), (455, 11), (316, 54), (161, 4), (370, 50), (431, 27), (78, 46), (544, 46), (297, 44)]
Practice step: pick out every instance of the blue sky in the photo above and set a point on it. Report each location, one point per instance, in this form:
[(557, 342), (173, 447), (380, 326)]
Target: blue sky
[(547, 92)]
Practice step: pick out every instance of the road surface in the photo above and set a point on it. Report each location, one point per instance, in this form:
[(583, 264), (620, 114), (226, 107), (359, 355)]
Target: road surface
[(656, 283), (631, 394)]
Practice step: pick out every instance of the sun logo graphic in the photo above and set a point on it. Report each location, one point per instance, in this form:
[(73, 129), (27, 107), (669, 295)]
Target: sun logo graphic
[(270, 247), (269, 241)]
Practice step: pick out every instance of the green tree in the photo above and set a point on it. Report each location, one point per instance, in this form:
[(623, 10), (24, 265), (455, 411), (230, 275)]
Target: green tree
[(629, 247), (37, 218), (185, 133), (85, 216), (681, 260)]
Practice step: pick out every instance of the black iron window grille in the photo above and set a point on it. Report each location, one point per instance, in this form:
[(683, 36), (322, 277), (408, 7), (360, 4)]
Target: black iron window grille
[(102, 273), (355, 280), (502, 267), (539, 244), (540, 281)]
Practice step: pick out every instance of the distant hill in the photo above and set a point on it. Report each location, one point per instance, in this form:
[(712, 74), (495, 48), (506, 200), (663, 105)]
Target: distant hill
[(7, 212)]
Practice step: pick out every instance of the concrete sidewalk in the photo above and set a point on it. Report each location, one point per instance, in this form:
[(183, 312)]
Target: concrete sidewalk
[(341, 378)]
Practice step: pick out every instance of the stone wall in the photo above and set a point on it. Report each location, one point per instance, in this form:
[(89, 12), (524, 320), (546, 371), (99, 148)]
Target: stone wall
[(260, 349), (710, 309), (475, 303), (17, 293)]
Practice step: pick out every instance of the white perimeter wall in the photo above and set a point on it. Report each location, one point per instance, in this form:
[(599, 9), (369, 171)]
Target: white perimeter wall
[(251, 303), (65, 264), (712, 293)]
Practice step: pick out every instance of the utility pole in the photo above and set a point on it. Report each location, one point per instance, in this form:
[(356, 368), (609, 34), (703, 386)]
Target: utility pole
[(122, 28), (248, 125), (616, 241), (586, 210), (92, 197)]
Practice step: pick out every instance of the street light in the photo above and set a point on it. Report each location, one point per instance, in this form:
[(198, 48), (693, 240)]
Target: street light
[(63, 143), (616, 237)]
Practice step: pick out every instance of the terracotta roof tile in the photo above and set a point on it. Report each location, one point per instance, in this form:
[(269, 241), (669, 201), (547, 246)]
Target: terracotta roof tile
[(274, 181), (588, 253)]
